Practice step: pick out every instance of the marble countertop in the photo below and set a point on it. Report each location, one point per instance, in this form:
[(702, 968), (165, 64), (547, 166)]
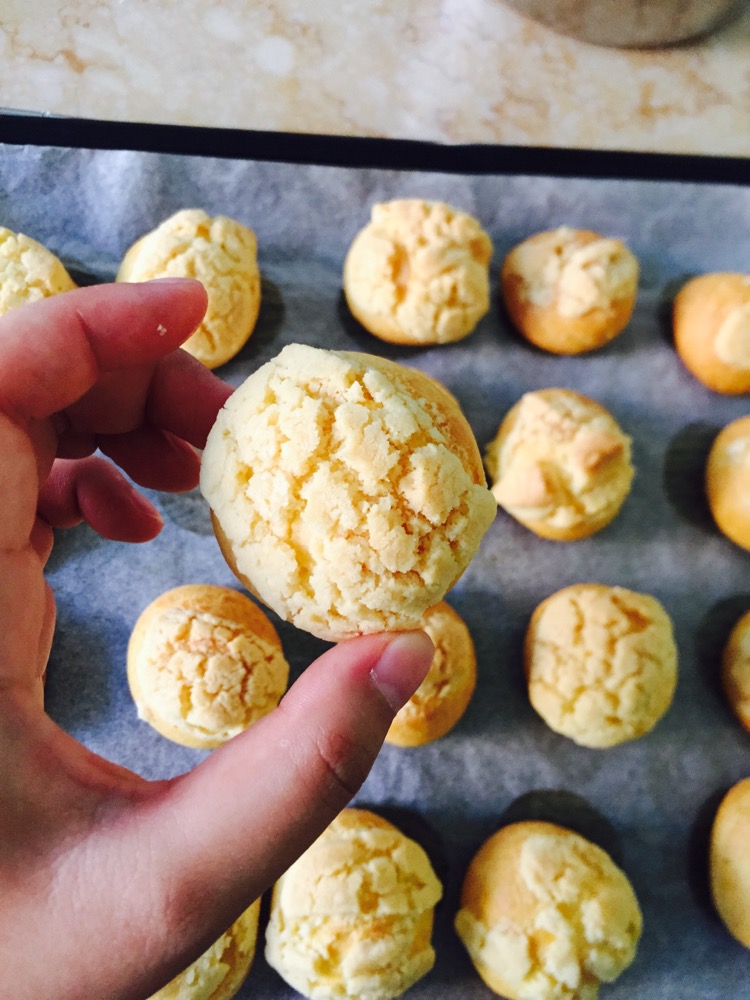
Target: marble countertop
[(458, 71)]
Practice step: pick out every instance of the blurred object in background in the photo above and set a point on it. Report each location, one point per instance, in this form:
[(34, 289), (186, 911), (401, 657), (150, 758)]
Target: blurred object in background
[(628, 23)]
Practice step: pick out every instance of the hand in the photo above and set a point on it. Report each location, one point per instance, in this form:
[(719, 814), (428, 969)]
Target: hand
[(110, 884)]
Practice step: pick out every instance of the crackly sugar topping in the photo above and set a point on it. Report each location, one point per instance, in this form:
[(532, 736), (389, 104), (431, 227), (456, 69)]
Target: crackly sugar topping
[(346, 501), (28, 271), (207, 676), (352, 917), (576, 277), (564, 461), (222, 254), (732, 341), (601, 663), (421, 268), (581, 921)]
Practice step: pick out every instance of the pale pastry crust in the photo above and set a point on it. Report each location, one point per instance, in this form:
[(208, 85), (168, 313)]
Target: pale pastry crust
[(204, 663), (221, 970), (547, 915), (443, 696), (560, 464), (347, 491), (352, 918), (569, 290), (711, 325), (729, 861), (728, 481), (601, 663), (417, 273), (222, 254), (28, 271), (735, 669)]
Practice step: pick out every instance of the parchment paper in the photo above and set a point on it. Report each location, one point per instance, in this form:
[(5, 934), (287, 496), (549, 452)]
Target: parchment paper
[(657, 792)]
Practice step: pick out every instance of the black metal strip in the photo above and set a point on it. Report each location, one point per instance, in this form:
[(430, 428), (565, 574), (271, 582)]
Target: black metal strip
[(22, 128)]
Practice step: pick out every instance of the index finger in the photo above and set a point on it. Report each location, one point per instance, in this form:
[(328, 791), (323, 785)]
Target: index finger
[(53, 352)]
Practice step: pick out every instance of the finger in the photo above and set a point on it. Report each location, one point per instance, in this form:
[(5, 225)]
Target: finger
[(42, 539), (92, 490), (24, 619), (19, 481), (46, 634), (226, 830), (53, 351), (154, 458), (115, 404), (72, 444), (180, 378), (177, 394)]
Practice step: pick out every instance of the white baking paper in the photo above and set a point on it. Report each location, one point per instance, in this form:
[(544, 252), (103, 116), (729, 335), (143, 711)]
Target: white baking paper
[(657, 792)]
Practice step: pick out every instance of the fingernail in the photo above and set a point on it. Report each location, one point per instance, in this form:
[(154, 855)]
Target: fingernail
[(144, 507), (402, 667), (174, 281)]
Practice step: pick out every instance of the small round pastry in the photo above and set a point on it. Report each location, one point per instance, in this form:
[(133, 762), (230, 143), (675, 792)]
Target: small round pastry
[(204, 663), (222, 254), (546, 914), (347, 491), (28, 271), (735, 670), (729, 861), (711, 325), (352, 918), (443, 696), (222, 969), (728, 481), (417, 273), (560, 464), (569, 290), (601, 663)]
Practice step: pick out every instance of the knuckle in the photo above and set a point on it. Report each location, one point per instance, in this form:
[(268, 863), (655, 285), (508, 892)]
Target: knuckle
[(344, 764)]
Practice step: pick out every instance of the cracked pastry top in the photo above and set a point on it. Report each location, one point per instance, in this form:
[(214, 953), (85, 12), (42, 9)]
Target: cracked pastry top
[(221, 970), (347, 491), (547, 915), (601, 663), (28, 271), (204, 663), (568, 291), (443, 696), (560, 464), (222, 254), (417, 273), (711, 325), (352, 918), (727, 479), (735, 669), (729, 862)]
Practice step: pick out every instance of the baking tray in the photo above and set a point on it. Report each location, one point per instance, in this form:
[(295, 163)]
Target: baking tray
[(657, 793)]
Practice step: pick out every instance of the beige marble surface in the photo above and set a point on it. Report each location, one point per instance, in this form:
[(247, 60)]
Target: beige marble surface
[(456, 71)]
